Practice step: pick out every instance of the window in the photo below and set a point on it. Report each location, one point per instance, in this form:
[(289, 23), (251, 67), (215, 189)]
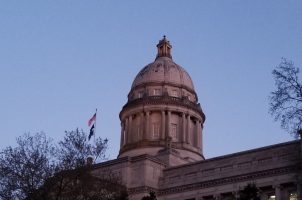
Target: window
[(173, 132), (138, 134), (155, 131), (293, 196), (174, 93), (271, 197), (156, 92), (140, 94)]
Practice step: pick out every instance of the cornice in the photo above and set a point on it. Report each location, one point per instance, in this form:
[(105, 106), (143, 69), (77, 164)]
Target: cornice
[(228, 180), (165, 100), (160, 143), (160, 83), (293, 143)]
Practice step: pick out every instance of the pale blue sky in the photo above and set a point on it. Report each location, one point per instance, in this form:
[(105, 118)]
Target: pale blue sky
[(59, 60)]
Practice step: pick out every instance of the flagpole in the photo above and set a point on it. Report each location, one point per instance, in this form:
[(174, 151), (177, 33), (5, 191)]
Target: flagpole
[(96, 110)]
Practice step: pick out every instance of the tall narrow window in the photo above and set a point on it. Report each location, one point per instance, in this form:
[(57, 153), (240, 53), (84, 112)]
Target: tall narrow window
[(155, 130), (138, 134), (173, 132)]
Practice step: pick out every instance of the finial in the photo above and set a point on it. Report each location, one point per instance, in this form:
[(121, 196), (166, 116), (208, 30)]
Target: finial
[(164, 48)]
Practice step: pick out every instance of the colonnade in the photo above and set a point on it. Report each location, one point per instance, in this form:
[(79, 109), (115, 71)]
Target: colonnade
[(189, 128), (277, 192)]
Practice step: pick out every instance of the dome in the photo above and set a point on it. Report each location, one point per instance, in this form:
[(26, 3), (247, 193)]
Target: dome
[(162, 115), (164, 70)]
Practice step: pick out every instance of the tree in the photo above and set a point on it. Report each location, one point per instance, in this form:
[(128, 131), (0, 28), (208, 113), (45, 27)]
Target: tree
[(75, 148), (25, 168), (80, 184), (286, 100), (151, 196), (249, 192), (38, 169)]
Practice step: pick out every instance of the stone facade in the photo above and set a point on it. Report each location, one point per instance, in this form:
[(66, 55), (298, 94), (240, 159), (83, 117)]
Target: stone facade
[(161, 145)]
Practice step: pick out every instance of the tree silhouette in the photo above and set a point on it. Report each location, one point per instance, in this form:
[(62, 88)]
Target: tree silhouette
[(151, 196), (37, 168), (286, 100), (249, 192)]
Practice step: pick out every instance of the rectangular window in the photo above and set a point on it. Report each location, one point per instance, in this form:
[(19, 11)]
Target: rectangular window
[(138, 134), (156, 92), (155, 131), (140, 94), (174, 93), (271, 197), (173, 132)]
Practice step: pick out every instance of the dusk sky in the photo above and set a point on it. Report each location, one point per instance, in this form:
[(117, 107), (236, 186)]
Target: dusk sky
[(60, 60)]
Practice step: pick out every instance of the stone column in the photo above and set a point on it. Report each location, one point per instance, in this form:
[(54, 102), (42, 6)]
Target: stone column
[(198, 123), (147, 130), (278, 192), (163, 127), (201, 136), (285, 194), (183, 127), (122, 134), (168, 124), (188, 130), (142, 130), (130, 129), (195, 134), (126, 131)]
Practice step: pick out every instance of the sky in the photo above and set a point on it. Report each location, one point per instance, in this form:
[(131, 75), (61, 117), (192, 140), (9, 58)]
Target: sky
[(60, 60)]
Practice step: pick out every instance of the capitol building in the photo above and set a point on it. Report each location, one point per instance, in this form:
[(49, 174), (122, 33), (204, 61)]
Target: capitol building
[(161, 145)]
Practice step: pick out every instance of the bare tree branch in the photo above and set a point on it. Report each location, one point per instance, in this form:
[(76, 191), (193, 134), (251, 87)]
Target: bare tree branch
[(38, 169), (286, 100)]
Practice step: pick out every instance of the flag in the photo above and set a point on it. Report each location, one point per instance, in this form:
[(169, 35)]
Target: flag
[(92, 119), (91, 132)]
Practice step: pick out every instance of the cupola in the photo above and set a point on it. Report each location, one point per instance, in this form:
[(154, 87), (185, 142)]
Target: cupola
[(162, 111)]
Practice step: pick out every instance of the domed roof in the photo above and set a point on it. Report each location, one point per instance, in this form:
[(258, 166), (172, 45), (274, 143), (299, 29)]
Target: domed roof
[(164, 70)]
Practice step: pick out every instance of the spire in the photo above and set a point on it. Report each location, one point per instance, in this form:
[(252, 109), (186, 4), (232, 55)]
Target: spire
[(164, 48)]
